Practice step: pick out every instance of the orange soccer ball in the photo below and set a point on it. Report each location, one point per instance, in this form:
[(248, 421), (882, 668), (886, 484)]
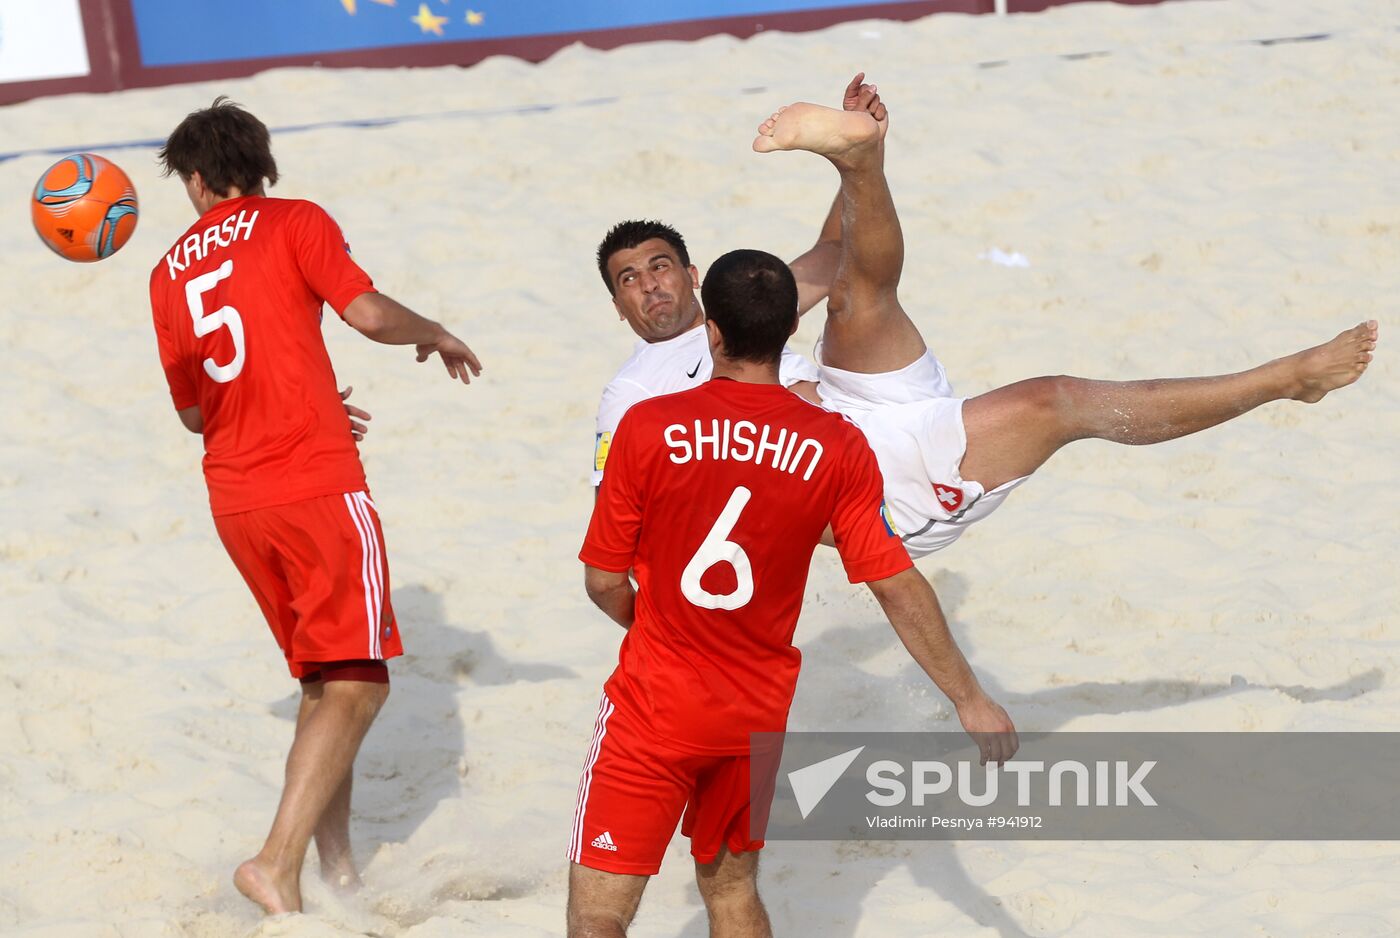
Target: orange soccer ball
[(84, 208)]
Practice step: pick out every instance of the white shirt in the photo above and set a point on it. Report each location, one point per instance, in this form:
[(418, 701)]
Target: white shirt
[(657, 368)]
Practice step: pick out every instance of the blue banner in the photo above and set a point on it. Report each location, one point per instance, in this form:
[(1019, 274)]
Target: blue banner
[(186, 32)]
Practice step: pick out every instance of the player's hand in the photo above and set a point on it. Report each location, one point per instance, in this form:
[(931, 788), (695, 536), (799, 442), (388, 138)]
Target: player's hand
[(357, 429), (860, 96), (989, 726), (461, 362)]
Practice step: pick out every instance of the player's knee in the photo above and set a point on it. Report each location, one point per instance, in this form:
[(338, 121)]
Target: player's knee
[(601, 905), (587, 922), (737, 900), (1052, 397), (847, 296), (732, 892)]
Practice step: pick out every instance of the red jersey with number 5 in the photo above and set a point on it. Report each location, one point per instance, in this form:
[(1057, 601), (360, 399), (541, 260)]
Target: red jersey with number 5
[(237, 308), (716, 498)]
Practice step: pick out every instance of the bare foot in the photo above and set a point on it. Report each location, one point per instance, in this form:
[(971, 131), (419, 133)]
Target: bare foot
[(1334, 364), (860, 96), (340, 874), (840, 136), (261, 885)]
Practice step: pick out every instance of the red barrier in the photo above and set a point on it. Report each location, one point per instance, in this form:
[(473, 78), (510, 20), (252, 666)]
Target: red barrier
[(115, 59)]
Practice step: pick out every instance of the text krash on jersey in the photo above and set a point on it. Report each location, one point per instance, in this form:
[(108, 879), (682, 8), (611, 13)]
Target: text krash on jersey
[(201, 244)]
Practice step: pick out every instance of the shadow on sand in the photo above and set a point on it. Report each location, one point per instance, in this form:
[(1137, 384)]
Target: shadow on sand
[(935, 865), (411, 760)]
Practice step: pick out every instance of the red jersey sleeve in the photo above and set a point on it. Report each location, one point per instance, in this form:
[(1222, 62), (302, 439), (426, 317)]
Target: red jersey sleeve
[(869, 548), (616, 526), (177, 376), (323, 256)]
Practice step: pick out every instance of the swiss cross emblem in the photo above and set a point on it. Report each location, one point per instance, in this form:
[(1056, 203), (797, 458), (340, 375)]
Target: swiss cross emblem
[(949, 497)]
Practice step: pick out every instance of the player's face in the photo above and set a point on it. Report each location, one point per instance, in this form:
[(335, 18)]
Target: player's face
[(654, 291)]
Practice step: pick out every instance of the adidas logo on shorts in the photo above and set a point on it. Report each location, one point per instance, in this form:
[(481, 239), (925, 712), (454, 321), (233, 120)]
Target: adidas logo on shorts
[(604, 841)]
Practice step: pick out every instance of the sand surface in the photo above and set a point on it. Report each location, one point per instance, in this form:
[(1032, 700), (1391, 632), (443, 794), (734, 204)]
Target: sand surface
[(1189, 204)]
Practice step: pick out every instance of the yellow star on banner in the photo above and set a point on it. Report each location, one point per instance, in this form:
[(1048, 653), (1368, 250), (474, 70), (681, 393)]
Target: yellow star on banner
[(474, 18), (349, 6), (427, 22)]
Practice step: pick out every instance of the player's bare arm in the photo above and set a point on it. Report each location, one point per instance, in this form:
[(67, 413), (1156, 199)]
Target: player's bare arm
[(384, 319), (815, 270), (912, 608), (611, 592)]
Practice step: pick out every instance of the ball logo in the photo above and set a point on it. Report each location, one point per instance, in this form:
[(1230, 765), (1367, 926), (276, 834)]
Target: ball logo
[(81, 185), (107, 236)]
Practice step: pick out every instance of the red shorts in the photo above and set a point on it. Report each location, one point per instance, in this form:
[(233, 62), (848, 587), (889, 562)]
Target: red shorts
[(318, 571), (635, 788)]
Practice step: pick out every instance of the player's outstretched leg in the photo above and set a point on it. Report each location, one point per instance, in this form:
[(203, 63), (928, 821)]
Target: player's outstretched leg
[(322, 756), (866, 328), (729, 887), (601, 904), (1013, 430)]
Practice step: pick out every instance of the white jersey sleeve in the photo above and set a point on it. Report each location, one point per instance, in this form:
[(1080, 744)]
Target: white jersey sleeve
[(793, 368), (618, 398)]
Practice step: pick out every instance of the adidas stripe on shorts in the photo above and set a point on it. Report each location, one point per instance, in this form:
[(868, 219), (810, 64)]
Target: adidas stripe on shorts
[(635, 788), (318, 571)]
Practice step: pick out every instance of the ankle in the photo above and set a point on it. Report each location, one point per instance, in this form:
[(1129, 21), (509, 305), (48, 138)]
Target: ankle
[(1288, 379), (278, 865)]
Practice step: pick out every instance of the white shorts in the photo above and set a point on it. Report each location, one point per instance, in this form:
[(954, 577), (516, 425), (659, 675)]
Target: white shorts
[(851, 392), (918, 438)]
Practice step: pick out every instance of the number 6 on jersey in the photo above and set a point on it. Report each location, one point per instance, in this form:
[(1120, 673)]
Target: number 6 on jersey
[(716, 548), (223, 316)]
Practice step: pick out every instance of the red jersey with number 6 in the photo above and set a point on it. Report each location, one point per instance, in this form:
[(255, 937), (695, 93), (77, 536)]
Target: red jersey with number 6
[(716, 498), (237, 308)]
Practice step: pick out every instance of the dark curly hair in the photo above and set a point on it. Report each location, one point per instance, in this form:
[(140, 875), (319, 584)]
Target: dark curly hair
[(226, 145), (629, 234), (752, 297)]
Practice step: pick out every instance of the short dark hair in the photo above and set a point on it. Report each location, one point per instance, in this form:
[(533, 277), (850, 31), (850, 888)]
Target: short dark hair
[(226, 145), (752, 297), (629, 234)]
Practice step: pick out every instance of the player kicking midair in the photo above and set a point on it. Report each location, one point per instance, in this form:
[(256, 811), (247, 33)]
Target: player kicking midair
[(716, 498), (949, 462), (237, 309)]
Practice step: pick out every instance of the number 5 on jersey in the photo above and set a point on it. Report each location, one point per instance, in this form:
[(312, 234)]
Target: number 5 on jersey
[(716, 548), (223, 316)]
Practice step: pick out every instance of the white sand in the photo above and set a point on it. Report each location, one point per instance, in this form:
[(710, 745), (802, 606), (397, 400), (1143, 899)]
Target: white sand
[(1189, 205)]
